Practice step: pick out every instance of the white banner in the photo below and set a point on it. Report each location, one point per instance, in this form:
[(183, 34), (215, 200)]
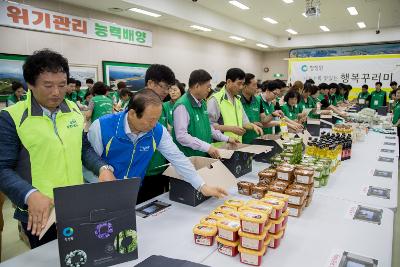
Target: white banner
[(353, 70), (28, 17)]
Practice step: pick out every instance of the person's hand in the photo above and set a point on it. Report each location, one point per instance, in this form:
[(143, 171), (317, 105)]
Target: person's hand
[(39, 207), (258, 129), (259, 124), (213, 152), (233, 141), (106, 175), (212, 191), (238, 130), (278, 113)]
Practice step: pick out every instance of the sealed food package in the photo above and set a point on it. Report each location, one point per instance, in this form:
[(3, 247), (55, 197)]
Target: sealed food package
[(209, 221), (280, 196), (226, 247), (304, 176), (204, 234), (245, 188), (252, 241), (236, 203), (296, 196), (259, 191), (250, 256), (253, 222), (228, 229), (276, 204)]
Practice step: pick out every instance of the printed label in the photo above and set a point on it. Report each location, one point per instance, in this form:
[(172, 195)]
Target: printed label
[(250, 243), (250, 227), (294, 200), (249, 259), (225, 249), (303, 179), (225, 234), (293, 212), (316, 182), (203, 240), (283, 176), (317, 174)]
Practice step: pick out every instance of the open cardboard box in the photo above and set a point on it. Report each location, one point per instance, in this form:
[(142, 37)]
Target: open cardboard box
[(274, 141), (238, 158), (213, 172)]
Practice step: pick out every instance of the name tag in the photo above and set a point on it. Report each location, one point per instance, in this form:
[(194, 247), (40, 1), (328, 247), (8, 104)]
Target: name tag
[(361, 101), (376, 102)]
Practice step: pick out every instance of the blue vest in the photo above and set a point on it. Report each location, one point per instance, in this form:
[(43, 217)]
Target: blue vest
[(127, 158)]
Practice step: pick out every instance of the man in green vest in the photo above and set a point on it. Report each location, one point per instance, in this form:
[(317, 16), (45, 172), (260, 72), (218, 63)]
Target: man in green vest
[(225, 110), (158, 78), (43, 145), (253, 107), (80, 92), (71, 95), (378, 97), (100, 104), (192, 131), (363, 97)]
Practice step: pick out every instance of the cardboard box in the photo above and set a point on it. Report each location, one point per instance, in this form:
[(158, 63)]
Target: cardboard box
[(274, 141), (213, 172), (326, 121), (238, 158), (313, 127)]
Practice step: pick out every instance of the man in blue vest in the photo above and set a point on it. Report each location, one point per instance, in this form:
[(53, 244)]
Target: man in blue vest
[(127, 141)]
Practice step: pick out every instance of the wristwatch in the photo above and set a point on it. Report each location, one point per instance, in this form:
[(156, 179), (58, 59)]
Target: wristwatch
[(107, 167)]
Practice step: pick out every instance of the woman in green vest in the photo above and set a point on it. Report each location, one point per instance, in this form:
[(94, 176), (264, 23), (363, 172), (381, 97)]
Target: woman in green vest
[(363, 97), (18, 94), (308, 100), (124, 97), (290, 108), (340, 99), (378, 97), (333, 88), (252, 106), (100, 104), (175, 92), (270, 90)]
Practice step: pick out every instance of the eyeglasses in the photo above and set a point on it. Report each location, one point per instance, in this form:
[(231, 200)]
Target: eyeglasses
[(164, 86)]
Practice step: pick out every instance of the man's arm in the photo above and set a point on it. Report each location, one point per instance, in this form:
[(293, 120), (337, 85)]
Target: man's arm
[(11, 184)]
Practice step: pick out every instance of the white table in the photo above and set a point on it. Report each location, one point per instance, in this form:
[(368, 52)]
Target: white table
[(353, 175), (309, 240)]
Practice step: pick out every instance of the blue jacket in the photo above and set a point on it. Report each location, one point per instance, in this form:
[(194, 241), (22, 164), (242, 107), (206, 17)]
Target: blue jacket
[(127, 158)]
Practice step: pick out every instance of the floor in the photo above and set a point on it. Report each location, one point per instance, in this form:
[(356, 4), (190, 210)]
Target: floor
[(13, 246)]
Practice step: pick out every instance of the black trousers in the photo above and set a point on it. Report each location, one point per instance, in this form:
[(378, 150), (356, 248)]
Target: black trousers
[(34, 241), (153, 186)]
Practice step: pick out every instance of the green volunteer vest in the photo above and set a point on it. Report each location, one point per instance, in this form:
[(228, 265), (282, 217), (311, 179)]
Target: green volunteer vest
[(199, 124), (396, 113), (158, 159), (102, 106), (232, 115), (377, 99), (169, 109), (339, 99), (333, 100), (55, 158), (252, 110), (291, 112), (268, 109), (14, 99), (81, 94)]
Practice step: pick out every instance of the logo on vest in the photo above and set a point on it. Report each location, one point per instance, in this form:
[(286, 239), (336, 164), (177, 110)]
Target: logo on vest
[(144, 148), (72, 124), (197, 117), (255, 109)]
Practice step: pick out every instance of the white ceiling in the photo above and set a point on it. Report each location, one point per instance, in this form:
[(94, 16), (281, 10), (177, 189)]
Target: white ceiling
[(225, 20)]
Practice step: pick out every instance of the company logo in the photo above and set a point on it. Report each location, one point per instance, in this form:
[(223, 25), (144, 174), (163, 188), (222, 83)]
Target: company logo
[(144, 148), (68, 231), (304, 68), (72, 124)]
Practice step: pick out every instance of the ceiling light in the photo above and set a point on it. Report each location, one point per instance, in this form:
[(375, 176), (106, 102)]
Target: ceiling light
[(291, 31), (262, 45), (361, 25), (144, 12), (272, 21), (237, 38), (324, 28), (352, 10), (288, 1), (239, 5), (200, 28), (304, 15)]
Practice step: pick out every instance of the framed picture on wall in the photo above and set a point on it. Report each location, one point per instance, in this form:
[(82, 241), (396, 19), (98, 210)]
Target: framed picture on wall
[(10, 71), (82, 72), (131, 73)]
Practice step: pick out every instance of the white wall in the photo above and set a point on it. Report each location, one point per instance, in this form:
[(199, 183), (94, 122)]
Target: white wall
[(276, 63), (181, 51)]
